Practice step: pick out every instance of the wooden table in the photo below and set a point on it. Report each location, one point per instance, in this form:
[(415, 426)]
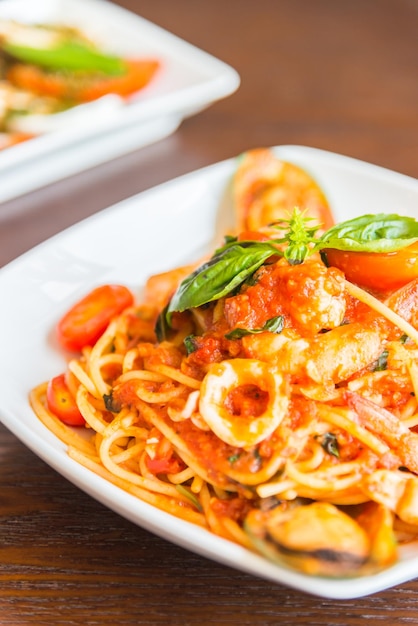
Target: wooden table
[(341, 76)]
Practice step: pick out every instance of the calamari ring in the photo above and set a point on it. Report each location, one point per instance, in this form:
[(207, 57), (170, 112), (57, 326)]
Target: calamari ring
[(243, 430)]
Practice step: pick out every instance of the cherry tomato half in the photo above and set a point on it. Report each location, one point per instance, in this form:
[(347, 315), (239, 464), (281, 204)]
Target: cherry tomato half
[(58, 85), (87, 320), (61, 402), (138, 75), (383, 272), (167, 465)]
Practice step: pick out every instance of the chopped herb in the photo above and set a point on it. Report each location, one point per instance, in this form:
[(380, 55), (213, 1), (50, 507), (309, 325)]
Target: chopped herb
[(257, 454), (190, 496), (382, 362), (162, 328), (273, 325), (233, 458), (190, 344)]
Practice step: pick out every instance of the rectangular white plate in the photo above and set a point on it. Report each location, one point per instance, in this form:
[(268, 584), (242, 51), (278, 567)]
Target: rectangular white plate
[(40, 286), (189, 80)]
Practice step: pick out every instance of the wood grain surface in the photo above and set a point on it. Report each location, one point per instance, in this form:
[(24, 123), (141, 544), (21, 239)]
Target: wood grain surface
[(340, 75)]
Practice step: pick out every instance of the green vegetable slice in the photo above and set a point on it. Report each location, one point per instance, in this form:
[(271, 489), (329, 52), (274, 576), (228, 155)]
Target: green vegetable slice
[(69, 55)]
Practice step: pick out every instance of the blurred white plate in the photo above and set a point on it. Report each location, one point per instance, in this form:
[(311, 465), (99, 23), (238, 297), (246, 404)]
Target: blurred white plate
[(40, 286), (188, 81)]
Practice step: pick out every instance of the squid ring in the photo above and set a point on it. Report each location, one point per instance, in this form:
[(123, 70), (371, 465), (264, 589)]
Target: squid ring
[(216, 409)]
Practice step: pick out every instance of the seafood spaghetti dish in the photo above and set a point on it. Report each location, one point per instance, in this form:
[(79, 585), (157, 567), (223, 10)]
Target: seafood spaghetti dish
[(267, 393), (47, 69)]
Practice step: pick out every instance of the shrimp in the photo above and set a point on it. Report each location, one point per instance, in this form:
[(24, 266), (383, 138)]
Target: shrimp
[(266, 189), (160, 287), (310, 296), (330, 357), (243, 401), (386, 425), (404, 302), (396, 490)]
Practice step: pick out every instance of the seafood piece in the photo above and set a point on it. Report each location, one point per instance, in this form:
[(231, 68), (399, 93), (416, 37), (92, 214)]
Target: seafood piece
[(327, 358), (243, 400), (404, 302), (266, 189), (396, 490), (310, 296), (388, 427), (317, 538), (160, 287), (315, 296), (378, 522)]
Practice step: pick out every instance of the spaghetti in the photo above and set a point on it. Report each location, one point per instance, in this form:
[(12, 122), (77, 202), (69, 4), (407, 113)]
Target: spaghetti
[(250, 433)]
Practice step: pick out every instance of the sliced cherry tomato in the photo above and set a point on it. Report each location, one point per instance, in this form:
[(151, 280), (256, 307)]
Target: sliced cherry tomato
[(62, 403), (83, 89), (167, 465), (137, 76), (382, 272), (34, 79), (87, 320)]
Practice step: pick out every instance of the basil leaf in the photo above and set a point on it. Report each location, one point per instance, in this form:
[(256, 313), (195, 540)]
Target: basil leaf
[(67, 56), (190, 344), (162, 327), (383, 232), (224, 272), (185, 491), (273, 325), (382, 362)]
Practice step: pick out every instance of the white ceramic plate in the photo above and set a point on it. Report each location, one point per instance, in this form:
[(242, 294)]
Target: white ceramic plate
[(189, 80), (39, 287)]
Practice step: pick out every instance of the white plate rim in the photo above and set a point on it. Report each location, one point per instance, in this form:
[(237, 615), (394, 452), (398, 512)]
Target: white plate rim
[(32, 433), (189, 81)]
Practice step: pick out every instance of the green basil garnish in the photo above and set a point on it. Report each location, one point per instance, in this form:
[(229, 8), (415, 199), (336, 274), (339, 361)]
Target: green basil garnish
[(273, 325), (69, 55), (382, 362), (185, 491), (371, 233), (162, 327), (298, 238), (224, 272), (190, 344), (236, 262)]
